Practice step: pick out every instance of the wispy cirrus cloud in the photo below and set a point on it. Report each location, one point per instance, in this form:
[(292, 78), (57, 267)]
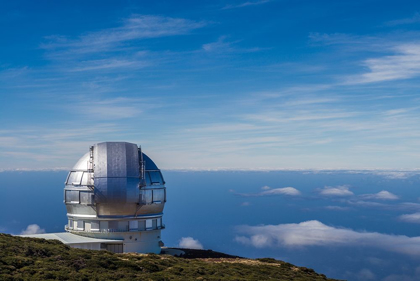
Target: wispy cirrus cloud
[(245, 4), (109, 64), (113, 108), (342, 39), (219, 45), (403, 64), (222, 46), (315, 233), (133, 28), (39, 148), (397, 56), (414, 19), (115, 49)]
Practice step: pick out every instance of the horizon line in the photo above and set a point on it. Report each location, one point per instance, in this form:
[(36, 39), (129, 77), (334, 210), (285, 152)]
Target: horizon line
[(57, 169)]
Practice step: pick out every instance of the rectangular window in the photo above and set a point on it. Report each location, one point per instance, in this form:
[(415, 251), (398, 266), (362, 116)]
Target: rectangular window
[(94, 226), (149, 224), (148, 182), (87, 179), (86, 197), (159, 222), (142, 225), (72, 196), (113, 225), (134, 225), (71, 224), (158, 196), (80, 225), (146, 196), (155, 177), (75, 178), (104, 225), (123, 225)]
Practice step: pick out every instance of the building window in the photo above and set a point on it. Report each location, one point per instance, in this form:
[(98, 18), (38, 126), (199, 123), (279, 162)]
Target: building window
[(155, 177), (80, 225), (94, 226), (142, 225), (86, 197), (159, 222), (146, 196), (148, 182), (158, 196), (113, 225), (87, 178), (72, 196), (134, 225), (74, 178), (149, 224)]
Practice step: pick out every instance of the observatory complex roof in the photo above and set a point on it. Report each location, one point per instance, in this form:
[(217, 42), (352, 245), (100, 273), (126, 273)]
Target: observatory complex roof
[(69, 238)]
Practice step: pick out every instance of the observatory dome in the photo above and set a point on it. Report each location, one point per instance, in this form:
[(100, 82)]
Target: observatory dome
[(115, 191)]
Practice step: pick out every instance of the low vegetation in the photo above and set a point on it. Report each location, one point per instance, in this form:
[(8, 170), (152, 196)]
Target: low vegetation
[(39, 259)]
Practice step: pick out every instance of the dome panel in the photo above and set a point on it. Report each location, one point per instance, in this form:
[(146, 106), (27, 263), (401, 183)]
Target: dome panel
[(82, 164), (116, 159), (149, 164)]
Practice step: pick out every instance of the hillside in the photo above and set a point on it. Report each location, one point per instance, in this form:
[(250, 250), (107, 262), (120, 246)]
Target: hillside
[(39, 259)]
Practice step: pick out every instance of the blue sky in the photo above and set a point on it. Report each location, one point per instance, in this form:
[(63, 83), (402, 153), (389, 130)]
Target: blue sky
[(212, 84)]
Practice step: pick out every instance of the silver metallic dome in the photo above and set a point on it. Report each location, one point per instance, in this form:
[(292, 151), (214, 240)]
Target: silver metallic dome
[(114, 188)]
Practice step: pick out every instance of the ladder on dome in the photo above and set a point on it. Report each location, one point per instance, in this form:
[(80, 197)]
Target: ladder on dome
[(142, 177), (90, 182), (142, 170)]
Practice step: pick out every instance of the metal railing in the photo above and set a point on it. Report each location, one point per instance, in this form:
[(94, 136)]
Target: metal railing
[(110, 230)]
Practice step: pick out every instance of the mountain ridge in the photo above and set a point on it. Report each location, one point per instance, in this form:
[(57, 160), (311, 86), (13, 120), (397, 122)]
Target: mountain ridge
[(24, 258)]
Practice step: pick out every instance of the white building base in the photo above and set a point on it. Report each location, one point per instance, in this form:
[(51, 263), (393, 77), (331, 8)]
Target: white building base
[(122, 242)]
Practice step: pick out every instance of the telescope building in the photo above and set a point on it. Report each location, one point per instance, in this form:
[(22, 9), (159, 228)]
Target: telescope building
[(114, 195)]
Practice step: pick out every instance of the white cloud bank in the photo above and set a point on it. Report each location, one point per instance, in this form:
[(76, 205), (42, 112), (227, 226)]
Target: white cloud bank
[(32, 229), (315, 233), (267, 191), (342, 190), (190, 243), (411, 218), (382, 195), (281, 191)]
